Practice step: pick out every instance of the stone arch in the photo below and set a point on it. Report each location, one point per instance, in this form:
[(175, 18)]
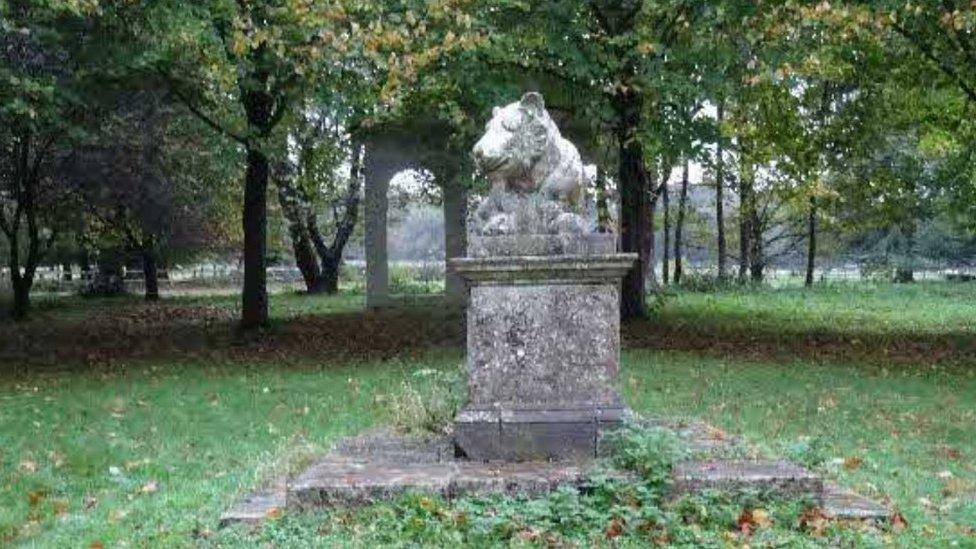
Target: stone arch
[(389, 150)]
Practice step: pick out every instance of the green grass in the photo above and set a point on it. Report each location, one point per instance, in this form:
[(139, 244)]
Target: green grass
[(901, 428), (149, 453), (921, 308)]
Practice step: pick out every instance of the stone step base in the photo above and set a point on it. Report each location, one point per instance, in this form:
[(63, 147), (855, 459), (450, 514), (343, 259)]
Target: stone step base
[(258, 506), (382, 466), (842, 503), (773, 478), (338, 482)]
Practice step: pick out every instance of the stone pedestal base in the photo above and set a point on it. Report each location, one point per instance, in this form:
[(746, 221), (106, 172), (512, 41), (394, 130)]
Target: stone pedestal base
[(543, 326), (535, 434)]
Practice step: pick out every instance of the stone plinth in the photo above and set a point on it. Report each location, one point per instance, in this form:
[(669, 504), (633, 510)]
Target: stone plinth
[(543, 345)]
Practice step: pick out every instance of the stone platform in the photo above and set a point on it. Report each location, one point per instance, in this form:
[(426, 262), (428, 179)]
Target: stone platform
[(381, 466)]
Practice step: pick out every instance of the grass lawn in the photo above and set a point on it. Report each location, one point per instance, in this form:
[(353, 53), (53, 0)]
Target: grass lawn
[(879, 308), (149, 451)]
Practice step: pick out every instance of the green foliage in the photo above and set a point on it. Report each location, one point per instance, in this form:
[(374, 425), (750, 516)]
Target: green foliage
[(648, 451), (704, 282)]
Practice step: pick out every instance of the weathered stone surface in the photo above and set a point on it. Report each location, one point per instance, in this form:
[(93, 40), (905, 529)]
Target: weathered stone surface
[(333, 483), (543, 346), (541, 245), (780, 478), (537, 176), (840, 502), (599, 269), (336, 482), (380, 466), (257, 507), (534, 434)]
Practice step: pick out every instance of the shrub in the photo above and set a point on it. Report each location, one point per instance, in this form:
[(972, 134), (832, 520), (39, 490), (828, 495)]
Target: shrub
[(428, 401), (704, 282), (649, 451)]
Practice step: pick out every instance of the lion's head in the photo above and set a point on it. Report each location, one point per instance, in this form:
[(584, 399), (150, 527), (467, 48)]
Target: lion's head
[(515, 139)]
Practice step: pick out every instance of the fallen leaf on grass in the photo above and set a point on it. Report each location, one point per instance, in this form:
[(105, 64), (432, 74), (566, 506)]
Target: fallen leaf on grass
[(944, 474), (750, 519), (27, 466), (898, 522), (614, 529), (273, 513), (814, 520), (90, 502), (149, 487), (853, 462), (948, 452), (35, 498)]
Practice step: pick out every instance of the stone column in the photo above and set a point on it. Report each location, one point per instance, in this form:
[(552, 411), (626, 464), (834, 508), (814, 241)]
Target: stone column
[(376, 203), (455, 238), (543, 345)]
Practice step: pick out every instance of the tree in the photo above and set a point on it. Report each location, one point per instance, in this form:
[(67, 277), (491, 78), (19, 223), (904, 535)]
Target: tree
[(142, 191), (309, 176), (39, 112), (243, 67), (680, 224)]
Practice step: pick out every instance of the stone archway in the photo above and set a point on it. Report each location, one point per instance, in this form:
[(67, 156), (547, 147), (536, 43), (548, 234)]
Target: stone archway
[(391, 149)]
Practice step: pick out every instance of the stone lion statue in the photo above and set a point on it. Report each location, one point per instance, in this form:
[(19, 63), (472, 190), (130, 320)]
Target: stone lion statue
[(536, 175)]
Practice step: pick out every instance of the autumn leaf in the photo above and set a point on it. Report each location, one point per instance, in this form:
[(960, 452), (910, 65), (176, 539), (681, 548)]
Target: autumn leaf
[(614, 529), (149, 487), (35, 498), (750, 519), (898, 522), (852, 463), (814, 520)]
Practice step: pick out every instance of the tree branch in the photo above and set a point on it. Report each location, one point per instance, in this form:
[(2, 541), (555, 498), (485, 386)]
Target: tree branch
[(927, 51), (216, 126)]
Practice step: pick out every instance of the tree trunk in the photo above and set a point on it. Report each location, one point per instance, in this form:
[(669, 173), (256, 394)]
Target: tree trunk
[(632, 182), (22, 288), (150, 273), (746, 205), (604, 221), (905, 272), (107, 281), (306, 261), (293, 207), (254, 312), (254, 309), (84, 259), (811, 241), (757, 253), (719, 197), (330, 274), (455, 233), (666, 228), (679, 226)]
